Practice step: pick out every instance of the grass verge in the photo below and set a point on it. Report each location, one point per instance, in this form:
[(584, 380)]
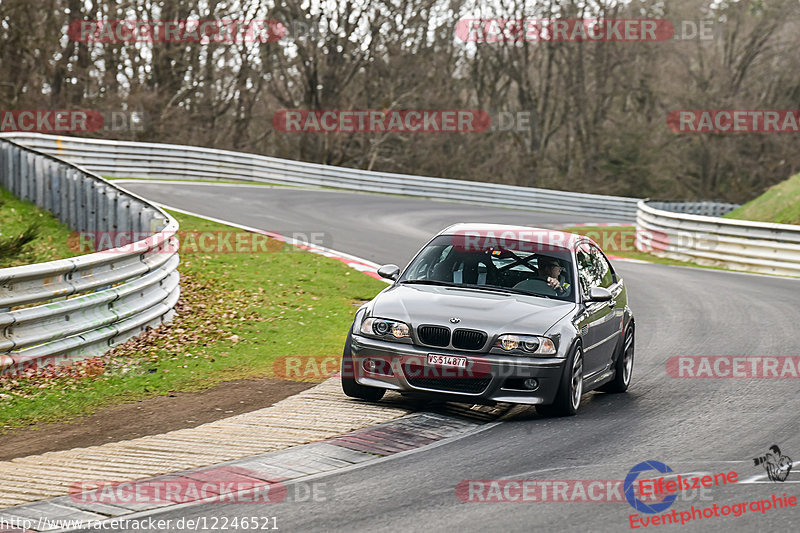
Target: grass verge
[(29, 234), (779, 204), (238, 313)]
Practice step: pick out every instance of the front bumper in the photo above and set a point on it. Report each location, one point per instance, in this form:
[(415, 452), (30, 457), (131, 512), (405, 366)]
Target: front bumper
[(487, 378)]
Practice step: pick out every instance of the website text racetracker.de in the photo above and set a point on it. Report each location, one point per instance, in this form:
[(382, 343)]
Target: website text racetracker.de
[(201, 523)]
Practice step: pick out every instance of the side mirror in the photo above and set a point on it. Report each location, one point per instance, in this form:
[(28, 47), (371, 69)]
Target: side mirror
[(600, 294), (391, 272)]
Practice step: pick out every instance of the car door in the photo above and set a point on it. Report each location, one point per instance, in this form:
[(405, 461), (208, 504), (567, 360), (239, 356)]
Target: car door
[(594, 322), (609, 328)]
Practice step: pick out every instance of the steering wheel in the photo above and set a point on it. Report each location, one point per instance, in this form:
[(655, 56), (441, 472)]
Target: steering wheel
[(536, 285)]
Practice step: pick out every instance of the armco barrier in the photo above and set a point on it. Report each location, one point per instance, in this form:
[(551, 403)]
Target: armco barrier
[(79, 307), (709, 209), (736, 244), (165, 161), (691, 230)]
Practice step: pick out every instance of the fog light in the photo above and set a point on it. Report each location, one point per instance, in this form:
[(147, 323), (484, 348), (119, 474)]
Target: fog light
[(530, 384), (370, 365)]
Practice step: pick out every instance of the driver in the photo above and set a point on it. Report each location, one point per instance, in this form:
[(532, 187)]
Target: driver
[(549, 270)]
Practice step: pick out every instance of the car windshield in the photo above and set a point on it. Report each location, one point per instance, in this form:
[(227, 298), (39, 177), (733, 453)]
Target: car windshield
[(509, 266)]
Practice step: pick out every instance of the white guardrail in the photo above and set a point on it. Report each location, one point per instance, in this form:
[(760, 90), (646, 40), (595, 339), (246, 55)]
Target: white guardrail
[(169, 161), (736, 244), (79, 307)]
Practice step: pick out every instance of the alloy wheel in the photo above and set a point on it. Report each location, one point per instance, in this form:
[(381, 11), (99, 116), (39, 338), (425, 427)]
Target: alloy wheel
[(627, 358), (577, 379)]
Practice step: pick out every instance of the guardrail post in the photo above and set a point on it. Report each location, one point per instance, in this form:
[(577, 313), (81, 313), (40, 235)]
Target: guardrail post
[(50, 176), (72, 201), (5, 175), (102, 210), (39, 178), (14, 171), (23, 176), (59, 180), (123, 213), (85, 212), (136, 217)]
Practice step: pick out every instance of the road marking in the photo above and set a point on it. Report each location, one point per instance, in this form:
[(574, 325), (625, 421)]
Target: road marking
[(626, 466)]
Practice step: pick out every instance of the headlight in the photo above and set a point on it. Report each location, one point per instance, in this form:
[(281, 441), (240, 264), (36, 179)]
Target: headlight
[(527, 344), (385, 328)]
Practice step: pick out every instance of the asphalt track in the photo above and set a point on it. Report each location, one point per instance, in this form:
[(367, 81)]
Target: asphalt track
[(692, 425)]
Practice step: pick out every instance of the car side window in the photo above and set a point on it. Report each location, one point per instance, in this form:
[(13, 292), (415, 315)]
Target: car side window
[(432, 258), (604, 270), (587, 271)]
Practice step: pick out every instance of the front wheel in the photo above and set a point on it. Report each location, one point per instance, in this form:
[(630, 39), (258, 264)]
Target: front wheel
[(623, 368), (568, 397), (349, 385)]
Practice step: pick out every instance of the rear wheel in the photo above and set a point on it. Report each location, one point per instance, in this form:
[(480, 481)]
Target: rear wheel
[(623, 368), (349, 385), (568, 398)]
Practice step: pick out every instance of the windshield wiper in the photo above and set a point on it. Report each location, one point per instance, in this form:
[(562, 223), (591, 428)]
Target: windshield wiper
[(507, 290), (490, 288)]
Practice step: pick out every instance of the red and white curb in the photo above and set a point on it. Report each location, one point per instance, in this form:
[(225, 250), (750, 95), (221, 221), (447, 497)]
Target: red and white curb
[(271, 478)]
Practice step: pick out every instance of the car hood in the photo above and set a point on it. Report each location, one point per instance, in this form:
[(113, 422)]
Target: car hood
[(491, 312)]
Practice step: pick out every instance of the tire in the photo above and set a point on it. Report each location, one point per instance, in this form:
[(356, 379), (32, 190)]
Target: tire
[(623, 368), (349, 385), (570, 390)]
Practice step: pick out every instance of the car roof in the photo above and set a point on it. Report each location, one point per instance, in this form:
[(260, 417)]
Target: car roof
[(520, 233)]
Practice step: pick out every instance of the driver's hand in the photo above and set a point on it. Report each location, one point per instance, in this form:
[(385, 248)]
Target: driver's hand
[(554, 283)]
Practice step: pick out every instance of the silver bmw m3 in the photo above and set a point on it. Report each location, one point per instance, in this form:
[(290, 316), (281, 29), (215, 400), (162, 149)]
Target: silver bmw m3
[(490, 313)]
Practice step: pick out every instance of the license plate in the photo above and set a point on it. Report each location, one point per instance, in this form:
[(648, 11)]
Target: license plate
[(447, 360)]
